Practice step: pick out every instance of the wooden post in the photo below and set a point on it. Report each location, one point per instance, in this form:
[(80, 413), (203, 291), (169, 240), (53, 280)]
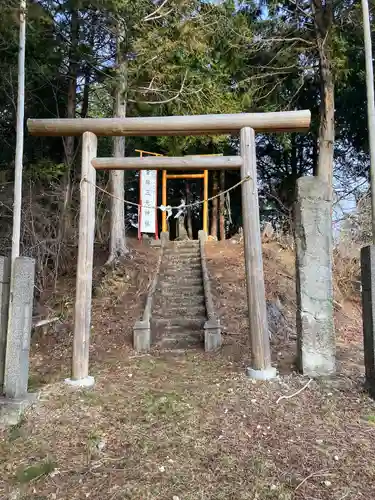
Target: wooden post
[(164, 227), (259, 339), (370, 104), (82, 312), (205, 202), (18, 164)]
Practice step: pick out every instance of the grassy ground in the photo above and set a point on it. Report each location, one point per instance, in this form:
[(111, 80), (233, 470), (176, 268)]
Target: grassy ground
[(191, 426)]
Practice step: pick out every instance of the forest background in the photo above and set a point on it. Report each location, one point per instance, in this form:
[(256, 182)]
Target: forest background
[(145, 58)]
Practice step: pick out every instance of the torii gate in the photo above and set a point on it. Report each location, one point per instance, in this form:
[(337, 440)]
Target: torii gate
[(244, 123)]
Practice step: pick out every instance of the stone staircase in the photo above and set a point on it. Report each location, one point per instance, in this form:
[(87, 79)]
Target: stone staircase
[(179, 311)]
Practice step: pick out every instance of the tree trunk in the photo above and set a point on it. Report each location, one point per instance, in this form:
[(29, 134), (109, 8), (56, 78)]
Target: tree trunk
[(315, 156), (87, 75), (294, 172), (69, 142), (86, 93), (215, 205), (323, 19), (72, 84), (222, 205), (118, 246), (188, 211)]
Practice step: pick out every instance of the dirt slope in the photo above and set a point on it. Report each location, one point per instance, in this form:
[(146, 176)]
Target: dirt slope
[(190, 427), (226, 261)]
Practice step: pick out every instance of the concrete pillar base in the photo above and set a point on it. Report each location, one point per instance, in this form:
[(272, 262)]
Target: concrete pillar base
[(12, 410), (16, 372), (142, 336), (212, 335), (202, 235), (155, 243), (82, 382), (266, 374), (164, 237), (4, 306)]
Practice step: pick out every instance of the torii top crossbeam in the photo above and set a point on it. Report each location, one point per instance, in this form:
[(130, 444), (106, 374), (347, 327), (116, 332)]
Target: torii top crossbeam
[(286, 121)]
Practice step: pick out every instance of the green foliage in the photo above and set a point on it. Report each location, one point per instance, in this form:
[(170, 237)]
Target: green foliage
[(15, 431), (35, 471), (371, 419), (188, 57), (45, 171)]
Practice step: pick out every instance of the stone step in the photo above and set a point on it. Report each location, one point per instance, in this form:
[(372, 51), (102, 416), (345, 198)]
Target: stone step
[(180, 291), (186, 342), (180, 262), (180, 333), (180, 265), (184, 243), (182, 273), (179, 311), (172, 324), (194, 250), (165, 312), (179, 286), (177, 300), (181, 279), (184, 252), (176, 263), (178, 258), (182, 312)]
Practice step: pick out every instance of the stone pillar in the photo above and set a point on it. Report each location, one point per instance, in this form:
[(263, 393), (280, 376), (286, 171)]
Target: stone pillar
[(4, 305), (212, 335), (368, 313), (164, 238), (182, 233), (313, 237), (142, 336), (16, 372)]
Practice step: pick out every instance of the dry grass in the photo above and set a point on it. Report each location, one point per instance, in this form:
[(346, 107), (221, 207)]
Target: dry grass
[(192, 426), (355, 233), (226, 261), (118, 298)]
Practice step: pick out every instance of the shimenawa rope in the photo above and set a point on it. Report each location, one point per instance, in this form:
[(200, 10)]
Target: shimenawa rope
[(167, 208)]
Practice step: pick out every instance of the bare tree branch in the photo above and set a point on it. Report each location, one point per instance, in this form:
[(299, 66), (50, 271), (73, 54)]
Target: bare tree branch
[(166, 100), (151, 17), (160, 16)]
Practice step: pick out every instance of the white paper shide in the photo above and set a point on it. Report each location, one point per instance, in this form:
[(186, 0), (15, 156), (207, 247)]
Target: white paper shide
[(148, 195)]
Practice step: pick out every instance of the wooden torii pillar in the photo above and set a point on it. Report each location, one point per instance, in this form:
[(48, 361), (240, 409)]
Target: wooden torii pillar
[(244, 123)]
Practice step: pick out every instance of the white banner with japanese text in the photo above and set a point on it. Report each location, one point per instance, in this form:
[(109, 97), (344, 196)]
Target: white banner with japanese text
[(148, 196)]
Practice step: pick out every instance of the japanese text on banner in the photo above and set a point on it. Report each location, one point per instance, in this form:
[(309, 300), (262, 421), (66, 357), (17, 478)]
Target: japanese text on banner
[(149, 201)]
